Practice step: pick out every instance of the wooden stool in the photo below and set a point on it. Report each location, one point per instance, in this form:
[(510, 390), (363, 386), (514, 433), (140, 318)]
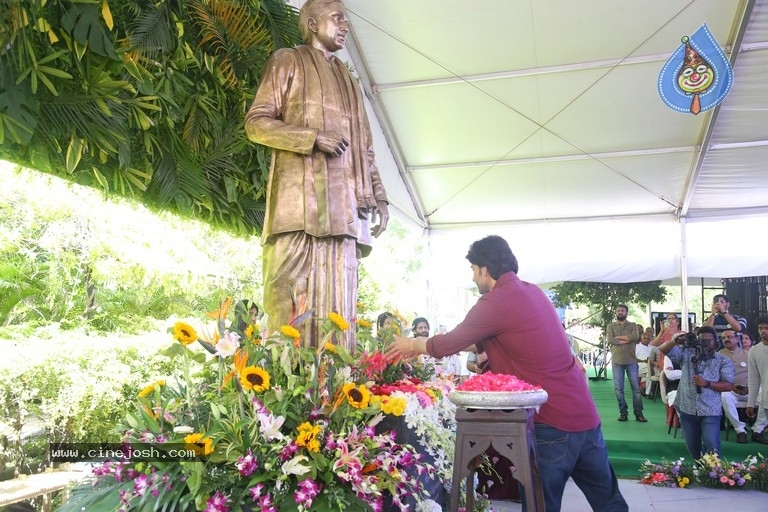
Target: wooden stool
[(511, 434)]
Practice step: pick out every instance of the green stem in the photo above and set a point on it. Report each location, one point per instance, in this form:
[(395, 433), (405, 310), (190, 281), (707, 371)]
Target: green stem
[(186, 379)]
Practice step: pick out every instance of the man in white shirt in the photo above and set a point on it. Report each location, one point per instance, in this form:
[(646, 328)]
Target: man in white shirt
[(642, 351)]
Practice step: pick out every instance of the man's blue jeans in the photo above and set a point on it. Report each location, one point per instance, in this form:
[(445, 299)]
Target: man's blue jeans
[(583, 457), (618, 384), (701, 433)]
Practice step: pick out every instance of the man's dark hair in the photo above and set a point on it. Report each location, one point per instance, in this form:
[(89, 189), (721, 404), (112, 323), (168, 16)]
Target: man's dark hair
[(720, 296), (623, 306), (493, 252), (718, 343), (382, 318), (243, 315), (762, 319), (418, 320)]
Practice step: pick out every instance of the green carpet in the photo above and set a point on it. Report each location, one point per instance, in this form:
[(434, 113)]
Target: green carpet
[(631, 442)]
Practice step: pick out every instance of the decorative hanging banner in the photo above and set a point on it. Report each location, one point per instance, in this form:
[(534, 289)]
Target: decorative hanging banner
[(698, 76)]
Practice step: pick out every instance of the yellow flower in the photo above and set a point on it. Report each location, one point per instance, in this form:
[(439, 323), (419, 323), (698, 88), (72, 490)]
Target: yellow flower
[(249, 331), (363, 323), (357, 396), (151, 388), (184, 333), (203, 445), (291, 332), (254, 378), (308, 436), (390, 405), (339, 321), (330, 347)]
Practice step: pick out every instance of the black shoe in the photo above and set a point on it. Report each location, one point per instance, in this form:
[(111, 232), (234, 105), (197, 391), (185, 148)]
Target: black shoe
[(641, 419), (623, 417), (758, 438), (741, 437)]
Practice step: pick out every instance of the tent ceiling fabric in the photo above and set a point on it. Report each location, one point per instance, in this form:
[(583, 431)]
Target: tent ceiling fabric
[(501, 113)]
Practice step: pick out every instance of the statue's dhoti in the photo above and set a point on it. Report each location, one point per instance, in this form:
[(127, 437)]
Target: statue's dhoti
[(324, 270)]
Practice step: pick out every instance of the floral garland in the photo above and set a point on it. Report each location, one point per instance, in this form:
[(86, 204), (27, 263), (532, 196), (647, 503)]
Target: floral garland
[(708, 471)]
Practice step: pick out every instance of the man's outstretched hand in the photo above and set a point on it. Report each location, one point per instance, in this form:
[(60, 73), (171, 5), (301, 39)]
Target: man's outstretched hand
[(403, 348)]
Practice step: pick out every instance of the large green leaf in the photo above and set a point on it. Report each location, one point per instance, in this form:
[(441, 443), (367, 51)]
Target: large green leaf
[(18, 109), (85, 24)]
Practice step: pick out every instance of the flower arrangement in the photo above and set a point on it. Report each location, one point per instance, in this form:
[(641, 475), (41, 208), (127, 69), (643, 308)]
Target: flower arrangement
[(279, 426), (709, 471), (667, 474)]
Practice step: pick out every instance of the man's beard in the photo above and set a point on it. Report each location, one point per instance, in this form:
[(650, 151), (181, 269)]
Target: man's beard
[(621, 318)]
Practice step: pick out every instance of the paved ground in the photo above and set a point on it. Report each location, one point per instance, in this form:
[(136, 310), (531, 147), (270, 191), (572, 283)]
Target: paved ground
[(661, 499)]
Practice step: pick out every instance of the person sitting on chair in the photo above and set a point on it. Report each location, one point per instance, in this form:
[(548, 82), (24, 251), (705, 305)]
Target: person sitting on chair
[(733, 400)]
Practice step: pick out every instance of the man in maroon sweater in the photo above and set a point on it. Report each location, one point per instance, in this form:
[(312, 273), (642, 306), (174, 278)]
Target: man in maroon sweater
[(518, 328)]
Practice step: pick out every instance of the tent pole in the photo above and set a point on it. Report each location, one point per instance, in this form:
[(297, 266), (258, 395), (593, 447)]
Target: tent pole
[(684, 274)]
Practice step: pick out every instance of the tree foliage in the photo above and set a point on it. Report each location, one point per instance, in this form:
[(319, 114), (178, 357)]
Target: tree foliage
[(604, 297), (141, 98)]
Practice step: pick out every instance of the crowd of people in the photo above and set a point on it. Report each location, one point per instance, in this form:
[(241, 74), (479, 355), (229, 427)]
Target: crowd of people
[(713, 372)]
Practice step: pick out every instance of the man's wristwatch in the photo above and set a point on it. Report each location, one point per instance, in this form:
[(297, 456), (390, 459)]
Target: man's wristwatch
[(708, 385)]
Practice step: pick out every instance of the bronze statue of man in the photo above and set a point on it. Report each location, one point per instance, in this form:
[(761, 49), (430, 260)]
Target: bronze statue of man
[(324, 189)]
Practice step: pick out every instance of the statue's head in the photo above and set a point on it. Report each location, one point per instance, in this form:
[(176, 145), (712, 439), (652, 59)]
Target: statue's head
[(324, 22)]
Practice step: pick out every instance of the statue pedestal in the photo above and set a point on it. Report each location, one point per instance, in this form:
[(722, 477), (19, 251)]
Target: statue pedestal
[(511, 433)]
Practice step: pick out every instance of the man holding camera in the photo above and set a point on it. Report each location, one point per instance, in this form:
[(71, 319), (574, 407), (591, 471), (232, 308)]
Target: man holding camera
[(705, 374), (737, 397), (721, 319)]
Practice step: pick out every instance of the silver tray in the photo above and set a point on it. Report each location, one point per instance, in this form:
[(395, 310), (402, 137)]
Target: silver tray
[(498, 399)]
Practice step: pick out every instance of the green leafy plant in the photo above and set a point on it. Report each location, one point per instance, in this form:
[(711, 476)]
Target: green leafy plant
[(142, 99)]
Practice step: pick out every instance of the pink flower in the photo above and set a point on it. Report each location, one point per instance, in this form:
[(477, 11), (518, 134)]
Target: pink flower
[(247, 465), (724, 479), (140, 485), (256, 491), (217, 503), (490, 381), (266, 504), (228, 344), (306, 491)]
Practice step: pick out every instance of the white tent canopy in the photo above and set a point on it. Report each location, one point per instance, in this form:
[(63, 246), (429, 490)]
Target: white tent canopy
[(541, 122)]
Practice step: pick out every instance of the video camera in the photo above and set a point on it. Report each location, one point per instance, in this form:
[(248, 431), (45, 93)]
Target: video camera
[(688, 340)]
